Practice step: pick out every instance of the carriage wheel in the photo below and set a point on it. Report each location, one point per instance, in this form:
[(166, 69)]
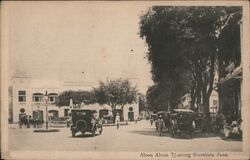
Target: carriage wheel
[(73, 133)]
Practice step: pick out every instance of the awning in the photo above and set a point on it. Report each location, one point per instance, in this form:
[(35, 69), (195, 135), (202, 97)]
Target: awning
[(236, 74)]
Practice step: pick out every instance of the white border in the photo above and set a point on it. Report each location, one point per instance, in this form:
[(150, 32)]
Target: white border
[(7, 154)]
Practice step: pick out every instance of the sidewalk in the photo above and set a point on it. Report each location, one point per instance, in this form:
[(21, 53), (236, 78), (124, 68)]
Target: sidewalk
[(113, 124)]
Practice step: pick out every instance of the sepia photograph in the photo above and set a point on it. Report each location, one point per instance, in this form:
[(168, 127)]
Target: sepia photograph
[(124, 80)]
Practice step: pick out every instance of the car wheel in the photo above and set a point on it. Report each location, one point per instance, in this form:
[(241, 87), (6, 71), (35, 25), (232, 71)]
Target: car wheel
[(81, 125)]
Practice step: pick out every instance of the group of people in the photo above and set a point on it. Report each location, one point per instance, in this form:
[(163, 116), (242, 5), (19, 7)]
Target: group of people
[(227, 125), (27, 121)]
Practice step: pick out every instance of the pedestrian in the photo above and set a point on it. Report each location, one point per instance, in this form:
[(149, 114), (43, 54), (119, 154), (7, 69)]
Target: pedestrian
[(28, 121), (160, 124), (117, 120), (136, 119), (151, 120)]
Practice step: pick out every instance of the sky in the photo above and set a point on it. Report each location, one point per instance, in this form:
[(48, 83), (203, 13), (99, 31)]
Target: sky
[(77, 41)]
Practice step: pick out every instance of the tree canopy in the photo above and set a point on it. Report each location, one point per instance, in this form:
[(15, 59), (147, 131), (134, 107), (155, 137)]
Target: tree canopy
[(115, 93), (78, 97), (182, 50)]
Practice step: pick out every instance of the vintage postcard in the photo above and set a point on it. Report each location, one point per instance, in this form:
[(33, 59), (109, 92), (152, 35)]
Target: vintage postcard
[(125, 80)]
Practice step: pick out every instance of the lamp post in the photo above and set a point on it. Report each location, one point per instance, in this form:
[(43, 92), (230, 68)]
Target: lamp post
[(46, 103)]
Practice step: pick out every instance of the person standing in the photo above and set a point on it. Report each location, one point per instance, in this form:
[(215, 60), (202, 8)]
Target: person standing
[(160, 124), (117, 120), (151, 120)]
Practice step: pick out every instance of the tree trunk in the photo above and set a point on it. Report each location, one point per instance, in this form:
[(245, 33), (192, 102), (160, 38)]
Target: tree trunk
[(193, 97), (113, 113), (206, 105)]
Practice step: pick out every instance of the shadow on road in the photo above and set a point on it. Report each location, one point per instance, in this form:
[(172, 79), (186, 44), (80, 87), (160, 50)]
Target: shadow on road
[(196, 135), (149, 133), (84, 136)]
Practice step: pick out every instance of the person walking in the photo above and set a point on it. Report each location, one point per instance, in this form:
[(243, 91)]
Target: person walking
[(160, 124), (151, 120), (117, 120)]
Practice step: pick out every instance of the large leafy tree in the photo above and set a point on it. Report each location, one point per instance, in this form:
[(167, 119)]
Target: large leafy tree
[(78, 97), (115, 93), (142, 102), (182, 49)]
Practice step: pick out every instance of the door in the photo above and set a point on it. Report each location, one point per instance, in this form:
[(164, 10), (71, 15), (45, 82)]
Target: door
[(131, 116), (38, 115)]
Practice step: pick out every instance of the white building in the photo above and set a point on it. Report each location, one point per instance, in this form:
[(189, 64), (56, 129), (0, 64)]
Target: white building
[(29, 94), (185, 102)]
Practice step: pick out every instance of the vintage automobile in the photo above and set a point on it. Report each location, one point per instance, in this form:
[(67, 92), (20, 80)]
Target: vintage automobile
[(85, 120), (182, 122), (166, 119)]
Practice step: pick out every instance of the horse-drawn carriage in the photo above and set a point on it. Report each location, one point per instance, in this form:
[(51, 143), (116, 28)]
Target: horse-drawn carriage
[(180, 121)]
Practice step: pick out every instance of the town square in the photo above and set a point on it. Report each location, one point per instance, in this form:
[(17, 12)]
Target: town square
[(161, 80)]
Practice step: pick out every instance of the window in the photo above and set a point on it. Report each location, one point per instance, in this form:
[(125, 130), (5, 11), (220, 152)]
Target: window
[(37, 99), (22, 96), (52, 99)]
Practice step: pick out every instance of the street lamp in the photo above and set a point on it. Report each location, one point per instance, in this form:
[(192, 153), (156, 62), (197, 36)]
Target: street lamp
[(46, 103)]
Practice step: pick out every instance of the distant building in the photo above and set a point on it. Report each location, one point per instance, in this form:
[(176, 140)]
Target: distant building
[(185, 102), (29, 94), (129, 111)]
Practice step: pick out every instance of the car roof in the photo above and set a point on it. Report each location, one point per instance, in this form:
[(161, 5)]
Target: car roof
[(183, 110), (162, 112)]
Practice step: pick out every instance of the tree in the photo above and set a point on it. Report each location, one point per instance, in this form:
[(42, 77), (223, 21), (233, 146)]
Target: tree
[(115, 93), (162, 33), (183, 41), (78, 97), (142, 102)]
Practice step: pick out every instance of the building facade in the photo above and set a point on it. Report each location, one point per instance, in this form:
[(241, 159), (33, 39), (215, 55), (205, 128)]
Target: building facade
[(28, 94), (185, 102)]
